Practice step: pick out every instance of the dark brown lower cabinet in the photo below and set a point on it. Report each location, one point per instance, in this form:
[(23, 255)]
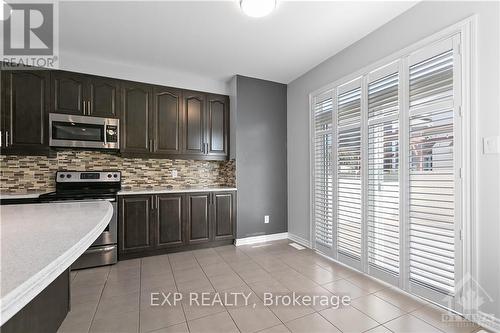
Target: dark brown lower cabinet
[(155, 224), (223, 215), (198, 217), (135, 230), (169, 217), (44, 313)]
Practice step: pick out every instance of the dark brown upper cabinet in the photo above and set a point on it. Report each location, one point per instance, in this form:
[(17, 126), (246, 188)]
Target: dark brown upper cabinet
[(67, 93), (198, 217), (135, 119), (206, 125), (218, 125), (169, 220), (167, 121), (103, 97), (85, 95), (194, 123), (135, 224), (24, 112)]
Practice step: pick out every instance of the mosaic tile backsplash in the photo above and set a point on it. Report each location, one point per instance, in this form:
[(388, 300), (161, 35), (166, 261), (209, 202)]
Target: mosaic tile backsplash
[(25, 174)]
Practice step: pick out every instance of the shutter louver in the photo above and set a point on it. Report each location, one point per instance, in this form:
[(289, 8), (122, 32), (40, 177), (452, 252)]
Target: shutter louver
[(431, 174), (323, 178), (349, 174), (383, 174)]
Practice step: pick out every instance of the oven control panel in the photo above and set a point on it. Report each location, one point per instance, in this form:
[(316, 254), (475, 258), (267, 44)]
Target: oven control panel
[(87, 176)]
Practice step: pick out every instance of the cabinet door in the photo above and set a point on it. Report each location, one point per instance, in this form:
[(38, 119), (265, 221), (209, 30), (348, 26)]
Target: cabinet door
[(223, 215), (68, 93), (135, 118), (194, 123), (25, 112), (135, 224), (218, 125), (198, 227), (167, 121), (103, 97), (169, 220)]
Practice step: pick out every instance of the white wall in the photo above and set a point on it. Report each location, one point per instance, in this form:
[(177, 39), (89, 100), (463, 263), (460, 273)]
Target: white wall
[(142, 73), (417, 23)]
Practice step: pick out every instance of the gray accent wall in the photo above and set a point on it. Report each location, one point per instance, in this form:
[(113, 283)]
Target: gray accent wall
[(420, 21), (259, 124)]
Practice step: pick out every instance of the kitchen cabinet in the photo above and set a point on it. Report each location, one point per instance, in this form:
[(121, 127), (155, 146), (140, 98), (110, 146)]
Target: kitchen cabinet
[(24, 112), (103, 97), (223, 215), (194, 124), (67, 93), (206, 126), (135, 228), (217, 125), (135, 119), (169, 228), (198, 217), (161, 223), (84, 95), (167, 120)]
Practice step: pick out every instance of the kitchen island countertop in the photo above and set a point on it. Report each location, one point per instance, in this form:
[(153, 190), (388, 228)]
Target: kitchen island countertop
[(39, 242)]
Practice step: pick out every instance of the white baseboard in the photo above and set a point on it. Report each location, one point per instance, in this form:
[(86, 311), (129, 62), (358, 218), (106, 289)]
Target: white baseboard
[(300, 240), (488, 321), (260, 239)]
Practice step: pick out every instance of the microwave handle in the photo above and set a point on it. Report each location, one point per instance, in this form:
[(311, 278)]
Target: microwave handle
[(105, 133)]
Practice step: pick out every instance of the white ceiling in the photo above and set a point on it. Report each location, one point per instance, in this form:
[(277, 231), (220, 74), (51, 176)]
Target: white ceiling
[(216, 40)]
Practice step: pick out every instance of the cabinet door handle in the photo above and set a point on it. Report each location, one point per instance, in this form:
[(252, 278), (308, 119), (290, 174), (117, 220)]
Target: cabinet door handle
[(152, 204), (6, 138), (89, 108), (151, 146)]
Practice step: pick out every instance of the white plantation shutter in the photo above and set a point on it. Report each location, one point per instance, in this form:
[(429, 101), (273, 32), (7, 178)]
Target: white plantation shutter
[(383, 173), (349, 173), (387, 154), (323, 177), (432, 171)]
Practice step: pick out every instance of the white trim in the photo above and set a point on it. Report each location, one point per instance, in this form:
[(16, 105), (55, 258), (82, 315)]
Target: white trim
[(487, 321), (300, 240), (260, 239)]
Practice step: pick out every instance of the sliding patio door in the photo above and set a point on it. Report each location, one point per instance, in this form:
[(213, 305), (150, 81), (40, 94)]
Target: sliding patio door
[(387, 161)]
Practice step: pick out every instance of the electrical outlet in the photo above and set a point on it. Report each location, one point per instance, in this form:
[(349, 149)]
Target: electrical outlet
[(491, 145), (174, 173), (266, 218)]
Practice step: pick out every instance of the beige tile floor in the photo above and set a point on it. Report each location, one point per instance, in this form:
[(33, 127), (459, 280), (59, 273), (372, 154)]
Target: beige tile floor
[(117, 298)]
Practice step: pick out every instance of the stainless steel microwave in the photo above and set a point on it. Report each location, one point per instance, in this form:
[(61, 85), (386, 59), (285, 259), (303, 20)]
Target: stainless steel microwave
[(83, 131)]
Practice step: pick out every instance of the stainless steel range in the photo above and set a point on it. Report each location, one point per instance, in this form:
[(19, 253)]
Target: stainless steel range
[(85, 186)]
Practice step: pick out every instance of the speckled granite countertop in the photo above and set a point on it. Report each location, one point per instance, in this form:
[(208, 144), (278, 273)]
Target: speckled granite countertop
[(9, 196), (166, 189), (39, 242)]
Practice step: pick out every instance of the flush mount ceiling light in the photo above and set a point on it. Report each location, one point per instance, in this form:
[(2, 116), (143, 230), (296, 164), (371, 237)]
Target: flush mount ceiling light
[(257, 8)]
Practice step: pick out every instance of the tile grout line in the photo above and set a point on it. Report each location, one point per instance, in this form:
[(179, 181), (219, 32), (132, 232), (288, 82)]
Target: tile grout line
[(204, 273), (175, 282), (99, 301)]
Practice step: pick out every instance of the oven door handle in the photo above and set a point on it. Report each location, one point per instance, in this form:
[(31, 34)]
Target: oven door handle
[(101, 249)]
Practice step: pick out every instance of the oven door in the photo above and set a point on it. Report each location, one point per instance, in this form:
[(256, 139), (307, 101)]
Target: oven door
[(110, 234), (80, 131)]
